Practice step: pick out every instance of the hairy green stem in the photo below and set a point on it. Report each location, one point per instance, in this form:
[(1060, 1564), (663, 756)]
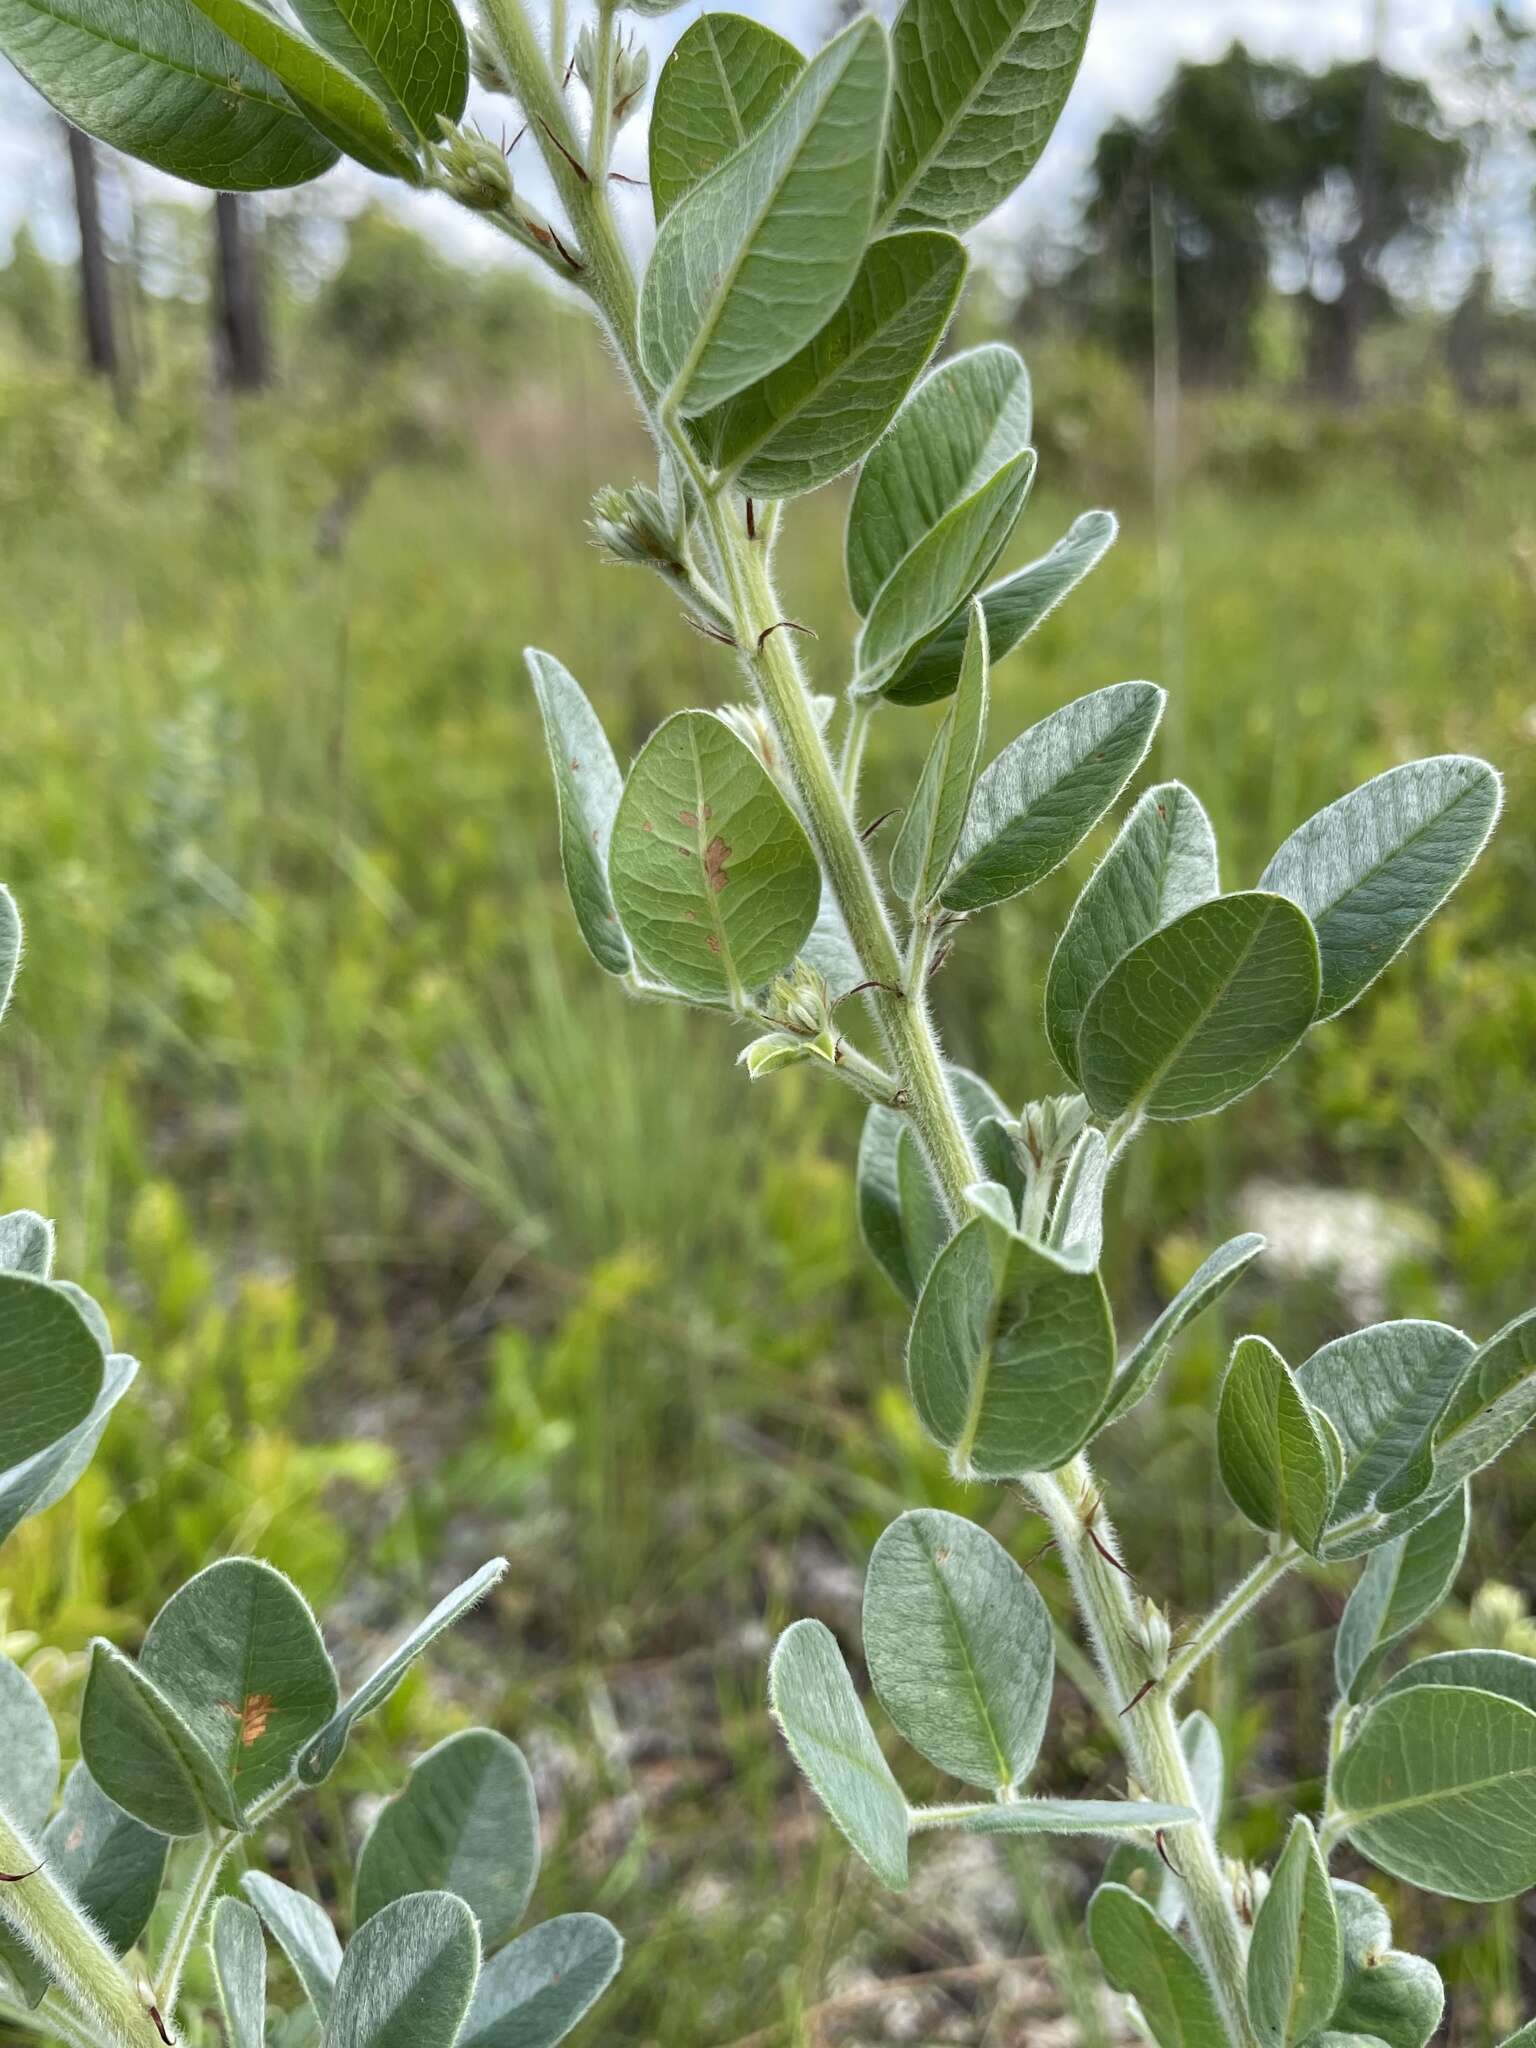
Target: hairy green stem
[(1236, 1607), (69, 1946), (770, 660), (1147, 1731), (190, 1914), (600, 139)]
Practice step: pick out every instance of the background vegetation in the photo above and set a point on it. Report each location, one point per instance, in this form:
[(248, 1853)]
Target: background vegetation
[(432, 1244)]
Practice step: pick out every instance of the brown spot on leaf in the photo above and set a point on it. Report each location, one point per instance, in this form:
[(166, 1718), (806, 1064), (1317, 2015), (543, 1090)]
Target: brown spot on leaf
[(714, 942), (689, 818), (253, 1716), (716, 854), (647, 826)]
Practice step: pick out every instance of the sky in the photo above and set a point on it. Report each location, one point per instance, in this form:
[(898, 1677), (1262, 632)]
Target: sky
[(1133, 49)]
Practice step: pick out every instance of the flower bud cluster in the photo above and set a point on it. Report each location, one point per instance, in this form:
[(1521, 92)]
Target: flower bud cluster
[(631, 71)]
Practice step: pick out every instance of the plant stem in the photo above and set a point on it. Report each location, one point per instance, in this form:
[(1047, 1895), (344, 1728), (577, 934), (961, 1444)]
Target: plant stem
[(901, 1011), (1239, 1603), (861, 714), (189, 1919), (600, 139), (46, 1918), (1147, 1732), (770, 660)]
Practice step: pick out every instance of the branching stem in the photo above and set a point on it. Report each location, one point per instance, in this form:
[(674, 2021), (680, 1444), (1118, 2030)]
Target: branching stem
[(190, 1914), (1236, 1607)]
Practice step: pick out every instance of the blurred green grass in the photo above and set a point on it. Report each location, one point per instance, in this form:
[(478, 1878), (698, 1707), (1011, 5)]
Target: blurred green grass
[(433, 1244)]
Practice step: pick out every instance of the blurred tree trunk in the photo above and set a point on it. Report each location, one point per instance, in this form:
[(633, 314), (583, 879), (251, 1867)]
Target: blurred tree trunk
[(240, 335), (98, 327), (1338, 356)]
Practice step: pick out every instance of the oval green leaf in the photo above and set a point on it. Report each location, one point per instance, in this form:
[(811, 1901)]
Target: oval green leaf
[(239, 1972), (51, 1368), (29, 1488), (1438, 1787), (1047, 790), (143, 1755), (588, 786), (1493, 1404), (1375, 866), (979, 86), (239, 1654), (1403, 1583), (823, 410), (30, 1746), (344, 111), (1223, 1269), (535, 1991), (1385, 1389), (468, 1823), (303, 1931), (411, 55), (795, 202), (325, 1752), (1014, 608), (1144, 1961), (407, 1977), (1163, 863), (1201, 1011), (1010, 1355), (959, 1648), (1296, 1961), (157, 79), (829, 1736), (965, 421), (711, 872), (1274, 1462), (930, 831), (725, 76), (948, 565)]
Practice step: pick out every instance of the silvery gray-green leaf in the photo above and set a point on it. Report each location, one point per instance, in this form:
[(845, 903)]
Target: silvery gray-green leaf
[(948, 565), (821, 412), (43, 1479), (1077, 1221), (344, 111), (979, 86), (157, 79), (407, 1977), (1503, 1672), (968, 419), (588, 785), (1493, 1404), (725, 76), (143, 1755), (1375, 866), (239, 1654), (413, 58), (829, 1736), (1010, 1354), (30, 1746), (467, 1822), (1526, 2038), (1200, 1740), (26, 1244), (879, 1199), (1385, 1389), (1438, 1787), (711, 872), (322, 1755), (542, 1984), (1222, 1270), (303, 1931), (959, 1648), (1163, 863), (1142, 1959), (924, 1220), (1014, 608), (1296, 1960), (1272, 1457), (1202, 1011), (1403, 1584), (752, 264), (1047, 790), (51, 1368), (930, 831), (239, 1972)]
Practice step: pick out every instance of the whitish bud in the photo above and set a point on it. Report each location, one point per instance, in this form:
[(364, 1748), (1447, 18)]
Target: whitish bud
[(801, 1002), (1048, 1130), (633, 526), (631, 71), (777, 1049), (488, 65), (1156, 1636), (473, 170)]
